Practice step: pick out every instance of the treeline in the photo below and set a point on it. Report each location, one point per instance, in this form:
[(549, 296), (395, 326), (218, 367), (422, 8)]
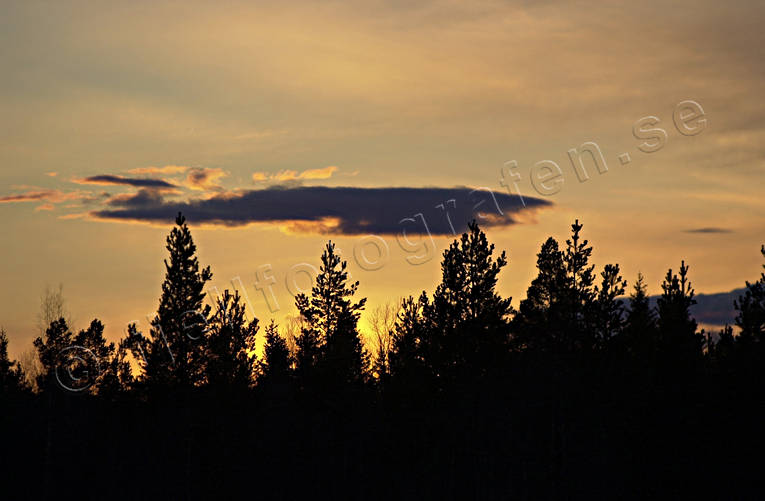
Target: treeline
[(575, 392)]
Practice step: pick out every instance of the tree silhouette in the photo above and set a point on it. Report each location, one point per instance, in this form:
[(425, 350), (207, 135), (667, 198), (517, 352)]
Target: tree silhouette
[(541, 322), (679, 343), (640, 326), (52, 307), (610, 309), (57, 338), (467, 319), (12, 379), (308, 351), (230, 342), (751, 311), (581, 293), (382, 322), (331, 343), (173, 354), (111, 365), (409, 369), (473, 400), (276, 367)]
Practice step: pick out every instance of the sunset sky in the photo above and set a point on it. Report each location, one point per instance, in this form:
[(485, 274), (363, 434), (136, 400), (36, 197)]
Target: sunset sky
[(278, 125)]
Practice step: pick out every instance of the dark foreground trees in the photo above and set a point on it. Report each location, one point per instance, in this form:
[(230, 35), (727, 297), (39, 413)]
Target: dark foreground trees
[(11, 375), (580, 393)]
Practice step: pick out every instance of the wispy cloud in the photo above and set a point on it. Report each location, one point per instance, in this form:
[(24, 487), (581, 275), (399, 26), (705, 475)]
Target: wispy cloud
[(205, 179), (166, 170), (29, 196), (293, 175), (108, 179), (50, 197), (710, 229)]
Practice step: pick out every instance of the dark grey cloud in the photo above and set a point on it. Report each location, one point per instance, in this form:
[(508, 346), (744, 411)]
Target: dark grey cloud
[(351, 211), (713, 309), (125, 181), (708, 230), (716, 309), (145, 197)]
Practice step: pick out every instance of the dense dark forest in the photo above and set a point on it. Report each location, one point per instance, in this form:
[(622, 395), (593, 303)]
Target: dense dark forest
[(582, 390)]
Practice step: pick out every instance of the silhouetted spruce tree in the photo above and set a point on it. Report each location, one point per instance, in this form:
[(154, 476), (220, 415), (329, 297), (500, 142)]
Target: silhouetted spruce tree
[(173, 354), (467, 319), (409, 371), (50, 350), (542, 319), (230, 361), (751, 311), (610, 309), (276, 367), (331, 344), (640, 330), (581, 295), (12, 379), (679, 344)]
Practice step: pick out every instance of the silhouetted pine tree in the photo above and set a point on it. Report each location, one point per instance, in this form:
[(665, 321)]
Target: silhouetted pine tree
[(541, 322), (331, 342), (751, 311), (467, 319), (409, 369), (679, 344), (230, 361), (12, 379), (581, 295), (610, 309), (173, 355), (276, 367), (640, 330)]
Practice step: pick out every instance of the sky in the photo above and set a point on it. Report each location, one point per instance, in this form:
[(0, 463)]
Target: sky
[(276, 126)]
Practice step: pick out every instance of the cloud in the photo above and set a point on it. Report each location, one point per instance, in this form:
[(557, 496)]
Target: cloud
[(197, 178), (334, 210), (29, 196), (715, 309), (51, 174), (51, 196), (125, 181), (205, 179), (292, 175), (167, 169), (324, 173), (143, 198), (708, 230)]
